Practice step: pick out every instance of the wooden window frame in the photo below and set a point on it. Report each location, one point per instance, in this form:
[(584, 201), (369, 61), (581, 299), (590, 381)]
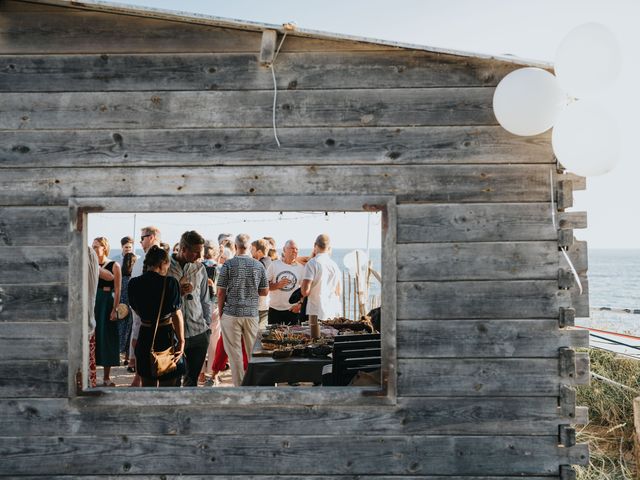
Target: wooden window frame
[(80, 394)]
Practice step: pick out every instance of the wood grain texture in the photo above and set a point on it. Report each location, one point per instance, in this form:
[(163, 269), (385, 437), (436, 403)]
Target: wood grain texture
[(485, 338), (256, 146), (32, 265), (518, 377), (27, 226), (31, 378), (33, 303), (481, 299), (74, 31), (429, 183), (446, 416), (33, 341), (203, 454), (425, 223), (251, 109), (239, 71), (478, 261)]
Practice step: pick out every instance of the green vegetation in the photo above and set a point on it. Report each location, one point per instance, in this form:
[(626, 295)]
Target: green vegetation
[(610, 432)]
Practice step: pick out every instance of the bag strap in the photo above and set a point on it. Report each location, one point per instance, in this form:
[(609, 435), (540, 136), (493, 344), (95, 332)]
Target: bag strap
[(164, 288)]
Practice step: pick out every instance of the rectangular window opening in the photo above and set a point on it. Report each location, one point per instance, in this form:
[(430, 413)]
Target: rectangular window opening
[(351, 354)]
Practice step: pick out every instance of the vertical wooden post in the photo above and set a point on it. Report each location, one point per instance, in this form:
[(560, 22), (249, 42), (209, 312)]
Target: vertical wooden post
[(349, 296), (344, 295)]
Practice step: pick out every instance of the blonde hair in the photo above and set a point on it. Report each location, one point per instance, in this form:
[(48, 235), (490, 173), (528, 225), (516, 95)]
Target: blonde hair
[(105, 243)]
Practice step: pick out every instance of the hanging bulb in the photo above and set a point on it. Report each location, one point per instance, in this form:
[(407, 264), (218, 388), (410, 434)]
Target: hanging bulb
[(326, 216), (280, 216)]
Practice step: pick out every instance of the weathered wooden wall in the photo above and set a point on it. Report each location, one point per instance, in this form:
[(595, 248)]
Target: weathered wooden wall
[(92, 103)]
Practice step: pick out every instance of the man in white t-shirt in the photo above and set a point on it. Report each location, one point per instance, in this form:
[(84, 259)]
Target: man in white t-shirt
[(321, 285), (284, 277)]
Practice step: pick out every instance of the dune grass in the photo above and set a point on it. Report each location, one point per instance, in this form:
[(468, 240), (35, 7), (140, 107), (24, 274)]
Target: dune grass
[(610, 431)]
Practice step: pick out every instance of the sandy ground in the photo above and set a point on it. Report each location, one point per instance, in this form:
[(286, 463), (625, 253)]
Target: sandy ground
[(122, 378)]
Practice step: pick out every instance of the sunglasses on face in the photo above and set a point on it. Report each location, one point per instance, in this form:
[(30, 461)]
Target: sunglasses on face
[(144, 236)]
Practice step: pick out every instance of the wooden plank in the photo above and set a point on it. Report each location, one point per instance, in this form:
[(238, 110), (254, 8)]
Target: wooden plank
[(481, 299), (290, 477), (433, 183), (268, 47), (473, 377), (33, 341), (299, 146), (21, 379), (478, 261), (76, 31), (26, 226), (201, 109), (475, 223), (485, 338), (249, 454), (237, 71), (30, 265), (433, 416), (7, 6), (572, 220), (33, 303), (580, 301)]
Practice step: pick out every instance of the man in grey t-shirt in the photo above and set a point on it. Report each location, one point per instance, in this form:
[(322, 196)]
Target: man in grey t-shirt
[(241, 281)]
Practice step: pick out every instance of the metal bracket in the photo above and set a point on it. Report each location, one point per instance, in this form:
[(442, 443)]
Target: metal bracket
[(567, 401), (567, 472), (566, 435), (565, 279), (567, 363), (567, 317), (268, 47), (565, 238)]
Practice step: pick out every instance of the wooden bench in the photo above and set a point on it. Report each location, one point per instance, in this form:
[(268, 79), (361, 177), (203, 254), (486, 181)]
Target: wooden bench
[(352, 353)]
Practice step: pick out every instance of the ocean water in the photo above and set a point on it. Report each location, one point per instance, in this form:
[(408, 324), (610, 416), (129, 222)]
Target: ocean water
[(614, 282)]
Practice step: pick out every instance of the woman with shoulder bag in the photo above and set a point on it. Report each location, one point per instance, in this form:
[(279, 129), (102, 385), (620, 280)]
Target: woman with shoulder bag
[(155, 297)]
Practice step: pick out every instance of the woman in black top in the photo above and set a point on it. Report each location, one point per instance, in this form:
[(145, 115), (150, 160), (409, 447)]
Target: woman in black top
[(144, 297)]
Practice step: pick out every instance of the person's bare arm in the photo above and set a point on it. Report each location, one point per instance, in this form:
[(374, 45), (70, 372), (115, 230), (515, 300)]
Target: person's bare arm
[(305, 288), (178, 327), (117, 286), (222, 297), (105, 274), (263, 292)]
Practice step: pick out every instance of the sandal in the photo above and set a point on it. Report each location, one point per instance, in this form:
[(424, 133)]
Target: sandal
[(108, 383)]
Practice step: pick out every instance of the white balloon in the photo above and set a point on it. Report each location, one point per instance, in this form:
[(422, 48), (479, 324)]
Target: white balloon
[(527, 101), (585, 139), (588, 60)]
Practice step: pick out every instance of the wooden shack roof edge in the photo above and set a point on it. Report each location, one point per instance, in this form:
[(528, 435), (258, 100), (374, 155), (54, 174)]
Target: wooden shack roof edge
[(202, 19)]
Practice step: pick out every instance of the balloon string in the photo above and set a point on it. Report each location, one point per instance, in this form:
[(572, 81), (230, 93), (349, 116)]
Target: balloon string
[(562, 249), (573, 270)]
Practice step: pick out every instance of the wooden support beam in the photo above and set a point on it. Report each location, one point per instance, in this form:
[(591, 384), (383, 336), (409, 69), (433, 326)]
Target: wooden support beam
[(564, 194), (268, 47), (565, 238), (567, 401)]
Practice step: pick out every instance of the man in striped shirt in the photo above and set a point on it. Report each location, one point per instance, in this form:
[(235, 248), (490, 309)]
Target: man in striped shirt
[(241, 281)]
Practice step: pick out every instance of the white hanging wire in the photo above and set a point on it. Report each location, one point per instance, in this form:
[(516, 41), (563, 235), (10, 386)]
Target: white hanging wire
[(275, 90), (562, 249)]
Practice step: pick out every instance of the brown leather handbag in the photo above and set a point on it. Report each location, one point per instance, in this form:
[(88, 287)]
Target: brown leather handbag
[(162, 362)]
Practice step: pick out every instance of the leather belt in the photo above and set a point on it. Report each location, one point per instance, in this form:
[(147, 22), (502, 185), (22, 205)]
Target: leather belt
[(163, 322)]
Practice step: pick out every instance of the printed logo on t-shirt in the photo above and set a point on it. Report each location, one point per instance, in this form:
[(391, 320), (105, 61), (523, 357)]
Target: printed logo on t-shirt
[(293, 280)]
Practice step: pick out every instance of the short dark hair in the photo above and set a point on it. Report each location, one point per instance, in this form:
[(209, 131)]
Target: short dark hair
[(155, 257), (125, 240), (190, 239)]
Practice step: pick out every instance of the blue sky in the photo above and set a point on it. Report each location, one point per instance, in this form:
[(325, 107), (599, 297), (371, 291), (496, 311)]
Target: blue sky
[(530, 30)]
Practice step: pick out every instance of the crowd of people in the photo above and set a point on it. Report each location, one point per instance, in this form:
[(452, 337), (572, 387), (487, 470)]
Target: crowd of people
[(207, 300)]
